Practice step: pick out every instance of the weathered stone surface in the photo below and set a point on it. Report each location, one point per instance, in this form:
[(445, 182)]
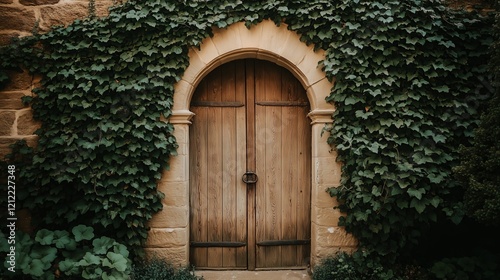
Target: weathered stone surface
[(6, 1), (6, 38), (26, 125), (178, 256), (102, 7), (18, 80), (7, 119), (325, 216), (38, 2), (167, 237), (62, 14), (330, 236), (11, 100), (178, 170), (325, 252), (326, 171), (14, 18), (321, 198), (170, 217), (176, 193), (5, 142)]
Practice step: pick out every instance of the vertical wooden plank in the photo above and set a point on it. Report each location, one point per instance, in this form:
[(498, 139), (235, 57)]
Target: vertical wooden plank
[(214, 147), (240, 146), (229, 164), (251, 163), (304, 185), (198, 182), (260, 155), (268, 84), (289, 162)]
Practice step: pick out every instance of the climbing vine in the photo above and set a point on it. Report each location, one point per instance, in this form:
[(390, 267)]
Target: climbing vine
[(408, 83)]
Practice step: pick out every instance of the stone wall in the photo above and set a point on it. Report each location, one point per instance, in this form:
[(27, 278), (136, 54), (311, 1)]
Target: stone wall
[(20, 18)]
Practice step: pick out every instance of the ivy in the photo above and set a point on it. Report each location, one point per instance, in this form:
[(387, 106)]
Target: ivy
[(406, 95), (409, 82)]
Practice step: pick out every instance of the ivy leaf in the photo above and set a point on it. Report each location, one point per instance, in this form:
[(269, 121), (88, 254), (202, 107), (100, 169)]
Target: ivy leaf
[(69, 267), (419, 205), (83, 232), (115, 261), (416, 192), (102, 244), (89, 259), (44, 237), (34, 268)]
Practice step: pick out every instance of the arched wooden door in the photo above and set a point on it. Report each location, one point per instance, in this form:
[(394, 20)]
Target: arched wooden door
[(250, 118)]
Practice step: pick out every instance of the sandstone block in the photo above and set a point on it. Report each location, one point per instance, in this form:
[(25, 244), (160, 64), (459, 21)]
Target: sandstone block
[(178, 256), (329, 236), (62, 14), (321, 198), (17, 18), (176, 193), (38, 2), (5, 142), (170, 217), (11, 100), (322, 148), (178, 170), (326, 170), (167, 237), (26, 125), (102, 7), (326, 216), (7, 119), (6, 38), (18, 80)]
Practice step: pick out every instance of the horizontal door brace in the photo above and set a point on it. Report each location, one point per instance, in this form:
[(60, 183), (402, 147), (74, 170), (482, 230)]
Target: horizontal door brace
[(284, 242), (217, 104), (283, 103), (218, 244)]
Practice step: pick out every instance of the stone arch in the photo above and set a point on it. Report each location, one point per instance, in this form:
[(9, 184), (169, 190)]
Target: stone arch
[(264, 41), (169, 234)]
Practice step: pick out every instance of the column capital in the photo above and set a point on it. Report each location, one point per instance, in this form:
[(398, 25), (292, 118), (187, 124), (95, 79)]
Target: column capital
[(181, 117), (321, 116)]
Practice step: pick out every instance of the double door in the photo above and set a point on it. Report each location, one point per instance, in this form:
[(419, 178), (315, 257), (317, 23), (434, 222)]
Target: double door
[(250, 169)]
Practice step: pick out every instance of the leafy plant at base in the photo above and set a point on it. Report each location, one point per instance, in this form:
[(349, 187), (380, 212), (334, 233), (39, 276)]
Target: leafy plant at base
[(360, 266), (59, 253), (484, 266), (157, 268)]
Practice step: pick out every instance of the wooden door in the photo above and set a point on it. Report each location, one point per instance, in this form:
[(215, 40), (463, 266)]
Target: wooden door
[(250, 116)]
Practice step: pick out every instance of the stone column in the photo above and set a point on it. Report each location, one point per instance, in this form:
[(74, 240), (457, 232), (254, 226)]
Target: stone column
[(168, 237), (327, 238)]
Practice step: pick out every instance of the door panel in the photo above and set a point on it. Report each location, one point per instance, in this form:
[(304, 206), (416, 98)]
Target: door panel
[(282, 160), (218, 196), (250, 116)]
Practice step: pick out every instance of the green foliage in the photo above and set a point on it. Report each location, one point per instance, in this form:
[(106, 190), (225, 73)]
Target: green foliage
[(59, 253), (406, 76), (405, 91), (480, 162), (484, 266), (359, 266), (159, 269)]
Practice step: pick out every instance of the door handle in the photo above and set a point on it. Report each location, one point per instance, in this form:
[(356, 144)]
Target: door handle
[(250, 177)]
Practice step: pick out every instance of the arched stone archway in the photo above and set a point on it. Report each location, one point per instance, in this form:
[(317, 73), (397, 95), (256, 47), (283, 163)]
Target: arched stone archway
[(169, 234)]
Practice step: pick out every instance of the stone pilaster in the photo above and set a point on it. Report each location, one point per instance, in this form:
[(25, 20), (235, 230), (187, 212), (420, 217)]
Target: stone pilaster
[(168, 237), (327, 237)]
